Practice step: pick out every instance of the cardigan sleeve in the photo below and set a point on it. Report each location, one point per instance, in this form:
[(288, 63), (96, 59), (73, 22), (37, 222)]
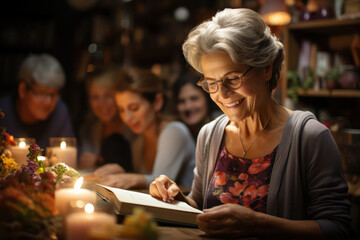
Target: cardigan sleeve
[(327, 197), (197, 188)]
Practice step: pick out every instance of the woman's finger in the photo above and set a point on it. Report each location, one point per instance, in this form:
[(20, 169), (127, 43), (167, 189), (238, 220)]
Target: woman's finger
[(154, 191), (162, 184), (173, 190)]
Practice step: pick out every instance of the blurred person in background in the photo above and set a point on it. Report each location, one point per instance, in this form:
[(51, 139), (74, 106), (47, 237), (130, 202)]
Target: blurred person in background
[(101, 136), (162, 146), (193, 106), (37, 110)]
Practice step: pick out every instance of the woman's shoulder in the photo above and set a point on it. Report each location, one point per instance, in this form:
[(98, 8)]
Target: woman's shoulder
[(176, 127), (306, 121)]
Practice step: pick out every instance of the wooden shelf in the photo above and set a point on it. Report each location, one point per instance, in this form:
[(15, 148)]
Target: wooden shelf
[(325, 25), (341, 93)]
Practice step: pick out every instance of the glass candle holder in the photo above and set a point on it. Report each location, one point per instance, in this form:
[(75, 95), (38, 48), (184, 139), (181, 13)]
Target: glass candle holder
[(21, 149), (63, 150)]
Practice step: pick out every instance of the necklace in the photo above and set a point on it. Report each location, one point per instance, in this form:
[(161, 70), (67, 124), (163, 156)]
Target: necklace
[(245, 151)]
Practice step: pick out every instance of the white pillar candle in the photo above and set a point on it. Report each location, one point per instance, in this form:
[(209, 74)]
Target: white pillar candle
[(79, 224), (65, 154), (21, 149), (66, 195)]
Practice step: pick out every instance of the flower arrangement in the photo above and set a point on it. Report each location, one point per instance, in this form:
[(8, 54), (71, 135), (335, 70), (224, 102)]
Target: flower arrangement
[(27, 194), (7, 163)]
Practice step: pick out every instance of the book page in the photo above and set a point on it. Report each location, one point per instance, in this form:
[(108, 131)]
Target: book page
[(148, 200)]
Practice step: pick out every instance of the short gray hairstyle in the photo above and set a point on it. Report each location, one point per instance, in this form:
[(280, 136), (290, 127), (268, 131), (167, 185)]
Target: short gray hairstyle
[(243, 35), (42, 69)]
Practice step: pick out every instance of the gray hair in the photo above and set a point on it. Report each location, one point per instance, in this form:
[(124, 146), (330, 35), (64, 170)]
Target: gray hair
[(243, 35), (42, 69)]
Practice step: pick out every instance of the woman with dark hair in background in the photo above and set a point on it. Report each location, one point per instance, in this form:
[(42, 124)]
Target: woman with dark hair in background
[(162, 146)]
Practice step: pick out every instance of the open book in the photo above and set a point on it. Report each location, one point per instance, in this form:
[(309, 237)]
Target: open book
[(125, 201)]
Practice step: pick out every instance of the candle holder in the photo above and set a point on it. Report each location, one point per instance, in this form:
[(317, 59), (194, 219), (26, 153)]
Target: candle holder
[(21, 149), (86, 221), (62, 150)]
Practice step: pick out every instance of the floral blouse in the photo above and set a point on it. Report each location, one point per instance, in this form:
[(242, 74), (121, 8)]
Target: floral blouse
[(241, 181)]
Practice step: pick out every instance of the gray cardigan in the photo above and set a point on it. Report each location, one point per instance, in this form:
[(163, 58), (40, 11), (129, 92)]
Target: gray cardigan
[(307, 181)]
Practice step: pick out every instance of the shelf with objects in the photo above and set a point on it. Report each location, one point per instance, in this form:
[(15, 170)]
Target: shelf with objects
[(322, 61), (322, 69)]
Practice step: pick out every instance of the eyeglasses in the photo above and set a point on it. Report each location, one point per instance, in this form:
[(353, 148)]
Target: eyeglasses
[(232, 80), (43, 96)]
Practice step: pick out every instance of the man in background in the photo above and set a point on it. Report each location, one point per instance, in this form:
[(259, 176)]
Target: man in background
[(37, 110)]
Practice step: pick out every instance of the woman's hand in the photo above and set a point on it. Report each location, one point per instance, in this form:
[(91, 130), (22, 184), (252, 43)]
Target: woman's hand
[(125, 180), (227, 219), (107, 169), (164, 188)]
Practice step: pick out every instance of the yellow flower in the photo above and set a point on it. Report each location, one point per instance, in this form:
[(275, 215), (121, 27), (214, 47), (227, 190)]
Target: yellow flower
[(7, 165)]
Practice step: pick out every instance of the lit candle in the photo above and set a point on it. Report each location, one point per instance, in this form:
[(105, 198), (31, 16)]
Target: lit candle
[(64, 196), (21, 149), (65, 154), (79, 224)]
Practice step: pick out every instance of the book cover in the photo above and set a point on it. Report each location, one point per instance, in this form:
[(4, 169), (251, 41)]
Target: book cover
[(125, 201)]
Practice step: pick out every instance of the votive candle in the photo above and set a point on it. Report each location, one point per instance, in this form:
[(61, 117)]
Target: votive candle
[(21, 149), (79, 224), (66, 195)]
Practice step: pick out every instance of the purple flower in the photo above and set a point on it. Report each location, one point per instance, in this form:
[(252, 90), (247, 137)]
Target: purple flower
[(31, 167), (34, 148)]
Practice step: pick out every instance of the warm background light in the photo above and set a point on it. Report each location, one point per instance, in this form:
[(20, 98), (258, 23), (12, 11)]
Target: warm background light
[(275, 12)]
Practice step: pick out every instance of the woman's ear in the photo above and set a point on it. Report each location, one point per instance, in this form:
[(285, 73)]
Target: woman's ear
[(22, 90), (268, 72), (159, 102)]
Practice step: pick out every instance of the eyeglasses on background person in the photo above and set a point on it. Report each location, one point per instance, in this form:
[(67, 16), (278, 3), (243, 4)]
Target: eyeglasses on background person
[(43, 96)]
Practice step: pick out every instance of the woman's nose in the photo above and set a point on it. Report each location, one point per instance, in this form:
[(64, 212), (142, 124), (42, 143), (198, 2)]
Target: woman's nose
[(126, 116), (224, 91)]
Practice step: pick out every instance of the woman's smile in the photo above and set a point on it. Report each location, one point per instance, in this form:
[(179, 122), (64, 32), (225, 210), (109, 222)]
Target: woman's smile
[(235, 104)]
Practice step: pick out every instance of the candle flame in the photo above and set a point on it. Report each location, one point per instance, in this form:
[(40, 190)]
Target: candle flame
[(89, 208), (78, 183), (63, 145), (22, 144)]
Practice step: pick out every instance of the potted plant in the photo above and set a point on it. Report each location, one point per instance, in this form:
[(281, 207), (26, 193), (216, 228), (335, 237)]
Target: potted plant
[(332, 77)]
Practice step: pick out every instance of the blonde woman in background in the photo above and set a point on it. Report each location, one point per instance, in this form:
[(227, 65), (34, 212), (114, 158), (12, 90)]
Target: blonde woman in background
[(101, 137)]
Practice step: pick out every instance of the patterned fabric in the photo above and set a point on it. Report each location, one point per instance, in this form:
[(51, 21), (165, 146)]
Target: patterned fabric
[(241, 181)]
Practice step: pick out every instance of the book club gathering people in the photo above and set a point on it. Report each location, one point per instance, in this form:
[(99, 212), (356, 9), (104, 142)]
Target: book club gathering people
[(162, 145), (36, 110), (261, 169), (193, 106), (250, 166), (102, 135)]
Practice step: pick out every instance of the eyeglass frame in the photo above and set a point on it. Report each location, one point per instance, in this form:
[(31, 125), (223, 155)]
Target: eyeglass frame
[(199, 83), (43, 96)]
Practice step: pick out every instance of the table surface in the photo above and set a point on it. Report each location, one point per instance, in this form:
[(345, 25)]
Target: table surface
[(180, 233)]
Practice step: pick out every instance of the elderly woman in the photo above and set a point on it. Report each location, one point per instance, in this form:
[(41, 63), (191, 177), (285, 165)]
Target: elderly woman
[(261, 169)]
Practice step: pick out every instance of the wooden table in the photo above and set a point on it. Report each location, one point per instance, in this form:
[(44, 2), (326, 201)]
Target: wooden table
[(181, 233)]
